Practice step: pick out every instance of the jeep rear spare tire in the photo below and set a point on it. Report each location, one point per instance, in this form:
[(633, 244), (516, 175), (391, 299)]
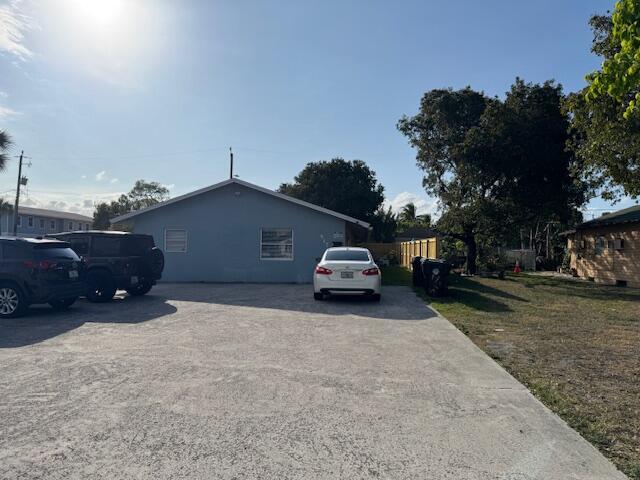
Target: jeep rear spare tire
[(153, 261)]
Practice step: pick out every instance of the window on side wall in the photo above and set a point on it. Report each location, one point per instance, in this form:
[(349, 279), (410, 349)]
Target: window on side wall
[(30, 221), (276, 244), (70, 226), (52, 225), (175, 240), (600, 245), (19, 220), (42, 223)]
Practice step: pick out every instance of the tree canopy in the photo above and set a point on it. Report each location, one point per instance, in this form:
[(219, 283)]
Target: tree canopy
[(605, 120), (619, 76), (142, 195), (494, 164), (348, 187), (5, 143)]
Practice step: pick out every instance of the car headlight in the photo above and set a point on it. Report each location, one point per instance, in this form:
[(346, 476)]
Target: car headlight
[(435, 271)]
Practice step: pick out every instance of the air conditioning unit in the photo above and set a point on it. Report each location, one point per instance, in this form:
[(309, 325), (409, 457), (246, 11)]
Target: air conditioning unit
[(618, 244)]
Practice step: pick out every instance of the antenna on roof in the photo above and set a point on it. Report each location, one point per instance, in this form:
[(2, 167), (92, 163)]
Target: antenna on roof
[(231, 163)]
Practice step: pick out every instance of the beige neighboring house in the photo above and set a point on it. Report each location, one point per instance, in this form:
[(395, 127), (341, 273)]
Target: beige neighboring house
[(607, 249)]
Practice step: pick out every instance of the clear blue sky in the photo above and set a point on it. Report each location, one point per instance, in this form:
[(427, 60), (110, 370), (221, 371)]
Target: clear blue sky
[(102, 92)]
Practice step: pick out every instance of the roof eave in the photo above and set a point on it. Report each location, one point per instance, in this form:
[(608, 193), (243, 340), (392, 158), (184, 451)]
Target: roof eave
[(317, 208)]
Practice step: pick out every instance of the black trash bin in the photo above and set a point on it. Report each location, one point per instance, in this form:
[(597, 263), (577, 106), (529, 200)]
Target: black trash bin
[(417, 278), (435, 274)]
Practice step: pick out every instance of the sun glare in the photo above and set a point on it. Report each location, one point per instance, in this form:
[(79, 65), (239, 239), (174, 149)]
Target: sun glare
[(101, 14)]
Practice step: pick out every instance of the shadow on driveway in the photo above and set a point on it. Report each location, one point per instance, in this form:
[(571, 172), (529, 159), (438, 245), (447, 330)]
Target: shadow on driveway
[(299, 298), (42, 322)]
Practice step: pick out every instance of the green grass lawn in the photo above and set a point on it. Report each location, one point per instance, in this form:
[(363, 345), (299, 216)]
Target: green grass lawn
[(576, 345)]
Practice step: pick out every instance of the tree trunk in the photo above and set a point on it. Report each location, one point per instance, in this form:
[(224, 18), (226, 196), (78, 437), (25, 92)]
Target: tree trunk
[(472, 254)]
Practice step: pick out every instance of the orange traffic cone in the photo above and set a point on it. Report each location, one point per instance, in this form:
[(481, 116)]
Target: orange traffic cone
[(516, 269)]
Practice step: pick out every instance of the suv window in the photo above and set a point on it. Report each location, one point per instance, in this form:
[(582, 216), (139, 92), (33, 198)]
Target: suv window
[(137, 245), (44, 252), (13, 251), (79, 244), (103, 246)]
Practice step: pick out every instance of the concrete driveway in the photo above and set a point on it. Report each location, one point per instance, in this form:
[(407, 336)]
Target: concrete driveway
[(255, 381)]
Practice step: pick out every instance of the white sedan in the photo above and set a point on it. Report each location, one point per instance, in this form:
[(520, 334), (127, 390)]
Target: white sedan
[(347, 270)]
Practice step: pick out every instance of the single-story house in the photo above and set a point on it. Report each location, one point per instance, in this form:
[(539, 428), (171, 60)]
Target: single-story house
[(235, 231), (607, 249)]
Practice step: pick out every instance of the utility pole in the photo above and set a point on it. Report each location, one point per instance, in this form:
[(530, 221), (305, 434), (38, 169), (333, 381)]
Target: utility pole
[(231, 163), (15, 207)]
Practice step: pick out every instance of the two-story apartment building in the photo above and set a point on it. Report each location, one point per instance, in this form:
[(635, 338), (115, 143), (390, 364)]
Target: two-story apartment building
[(34, 222)]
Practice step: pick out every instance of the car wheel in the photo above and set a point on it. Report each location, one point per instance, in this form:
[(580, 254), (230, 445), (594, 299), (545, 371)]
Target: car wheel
[(62, 303), (100, 287), (318, 296), (12, 301), (376, 297), (139, 289)]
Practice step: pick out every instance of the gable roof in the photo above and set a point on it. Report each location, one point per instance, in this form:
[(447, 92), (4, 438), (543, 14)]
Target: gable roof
[(195, 193), (626, 215), (42, 212)]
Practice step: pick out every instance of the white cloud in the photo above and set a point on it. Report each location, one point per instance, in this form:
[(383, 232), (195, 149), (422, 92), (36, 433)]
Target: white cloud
[(13, 25), (100, 175), (114, 180), (3, 94), (7, 112), (83, 176), (423, 204)]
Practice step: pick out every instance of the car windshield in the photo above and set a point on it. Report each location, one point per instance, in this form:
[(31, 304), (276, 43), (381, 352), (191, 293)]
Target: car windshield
[(45, 252), (347, 255)]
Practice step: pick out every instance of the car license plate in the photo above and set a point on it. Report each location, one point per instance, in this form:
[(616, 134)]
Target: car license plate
[(346, 274), (134, 280), (73, 274)]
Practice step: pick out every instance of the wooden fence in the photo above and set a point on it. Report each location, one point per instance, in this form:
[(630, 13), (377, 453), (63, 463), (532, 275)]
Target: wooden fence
[(426, 247)]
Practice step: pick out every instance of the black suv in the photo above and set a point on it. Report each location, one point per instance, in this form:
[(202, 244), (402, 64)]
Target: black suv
[(38, 271), (113, 260)]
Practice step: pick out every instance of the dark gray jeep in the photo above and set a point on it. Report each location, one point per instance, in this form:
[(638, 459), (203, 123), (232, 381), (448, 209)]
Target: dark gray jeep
[(113, 260)]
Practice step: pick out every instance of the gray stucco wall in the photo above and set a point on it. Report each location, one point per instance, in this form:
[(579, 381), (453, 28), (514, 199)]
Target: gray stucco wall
[(223, 228)]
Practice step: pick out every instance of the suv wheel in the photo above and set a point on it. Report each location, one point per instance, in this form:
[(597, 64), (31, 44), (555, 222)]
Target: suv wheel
[(139, 289), (62, 303), (12, 301), (101, 287)]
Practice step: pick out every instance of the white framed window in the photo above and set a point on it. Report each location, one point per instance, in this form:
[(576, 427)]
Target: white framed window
[(70, 226), (42, 223), (52, 225), (175, 240), (276, 244)]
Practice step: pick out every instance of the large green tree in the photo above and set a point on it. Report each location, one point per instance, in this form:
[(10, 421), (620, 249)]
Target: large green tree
[(142, 195), (409, 217), (494, 165), (605, 119), (348, 187)]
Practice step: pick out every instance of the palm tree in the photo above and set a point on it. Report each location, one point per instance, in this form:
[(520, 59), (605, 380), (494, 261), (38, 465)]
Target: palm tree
[(5, 143), (5, 207), (408, 213)]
